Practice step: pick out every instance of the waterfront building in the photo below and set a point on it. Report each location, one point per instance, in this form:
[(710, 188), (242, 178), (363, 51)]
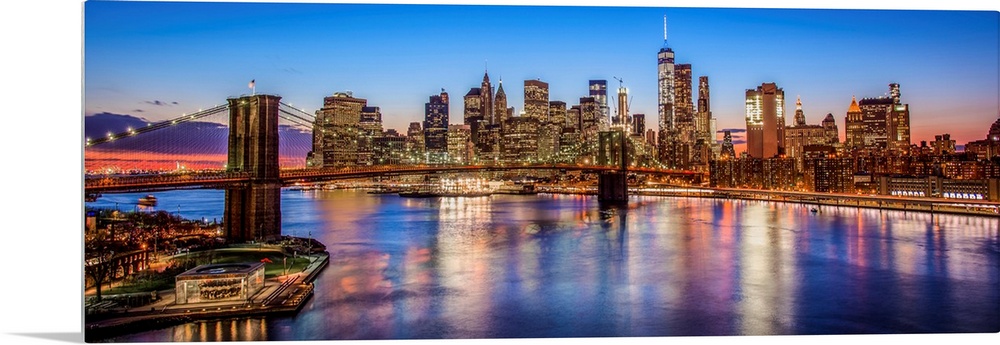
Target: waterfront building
[(938, 187), (219, 282), (414, 144), (520, 143), (765, 120), (337, 131), (826, 172), (390, 148), (779, 173), (436, 128), (460, 147)]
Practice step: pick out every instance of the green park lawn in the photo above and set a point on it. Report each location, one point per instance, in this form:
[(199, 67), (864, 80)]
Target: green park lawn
[(153, 281)]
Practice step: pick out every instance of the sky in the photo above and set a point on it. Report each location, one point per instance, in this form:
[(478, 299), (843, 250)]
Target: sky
[(159, 60)]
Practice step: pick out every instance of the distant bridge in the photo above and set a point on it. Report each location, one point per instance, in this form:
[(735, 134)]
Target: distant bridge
[(224, 179)]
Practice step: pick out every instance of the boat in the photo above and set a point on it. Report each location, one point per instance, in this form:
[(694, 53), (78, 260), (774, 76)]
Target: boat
[(148, 200), (814, 210), (385, 190), (418, 194), (525, 189), (467, 194)]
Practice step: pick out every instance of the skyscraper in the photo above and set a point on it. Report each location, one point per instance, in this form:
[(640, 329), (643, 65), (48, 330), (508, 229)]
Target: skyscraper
[(338, 124), (536, 100), (703, 118), (879, 123), (665, 92), (765, 121), (800, 117), (728, 152), (486, 102), (683, 104), (638, 126), (801, 135), (854, 127), (830, 130), (370, 126), (476, 121), (436, 128), (621, 118), (599, 91), (500, 106)]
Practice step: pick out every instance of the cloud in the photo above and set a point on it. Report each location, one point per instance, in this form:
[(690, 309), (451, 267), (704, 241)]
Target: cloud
[(738, 142), (193, 138), (732, 130), (174, 102), (137, 110), (158, 102)]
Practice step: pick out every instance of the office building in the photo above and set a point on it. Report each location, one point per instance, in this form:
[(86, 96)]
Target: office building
[(765, 120), (599, 92), (337, 131), (436, 129)]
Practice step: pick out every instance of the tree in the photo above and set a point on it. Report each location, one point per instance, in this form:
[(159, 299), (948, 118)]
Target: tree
[(100, 263)]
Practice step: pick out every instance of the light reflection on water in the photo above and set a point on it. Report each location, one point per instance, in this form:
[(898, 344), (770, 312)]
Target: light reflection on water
[(563, 266)]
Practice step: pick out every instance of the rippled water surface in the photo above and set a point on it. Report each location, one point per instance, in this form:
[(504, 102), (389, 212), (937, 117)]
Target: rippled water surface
[(563, 266)]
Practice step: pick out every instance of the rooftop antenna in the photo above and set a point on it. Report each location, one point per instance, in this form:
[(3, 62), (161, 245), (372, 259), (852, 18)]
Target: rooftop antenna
[(664, 28)]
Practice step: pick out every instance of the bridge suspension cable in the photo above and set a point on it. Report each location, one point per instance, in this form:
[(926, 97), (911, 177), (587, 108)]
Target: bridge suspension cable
[(304, 115), (159, 125), (294, 118)]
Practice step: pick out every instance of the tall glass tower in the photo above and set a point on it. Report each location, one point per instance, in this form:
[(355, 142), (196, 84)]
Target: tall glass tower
[(665, 73)]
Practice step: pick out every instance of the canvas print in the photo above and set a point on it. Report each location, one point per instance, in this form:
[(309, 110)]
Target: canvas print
[(310, 171)]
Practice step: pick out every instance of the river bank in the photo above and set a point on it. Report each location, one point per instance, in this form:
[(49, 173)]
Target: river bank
[(926, 205), (282, 295)]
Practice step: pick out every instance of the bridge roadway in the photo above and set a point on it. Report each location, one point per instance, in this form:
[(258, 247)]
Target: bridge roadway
[(222, 179)]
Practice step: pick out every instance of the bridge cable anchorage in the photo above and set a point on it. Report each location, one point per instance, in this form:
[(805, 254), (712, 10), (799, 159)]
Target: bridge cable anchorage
[(159, 125)]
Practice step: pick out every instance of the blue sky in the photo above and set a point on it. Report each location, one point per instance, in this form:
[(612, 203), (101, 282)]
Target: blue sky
[(194, 55)]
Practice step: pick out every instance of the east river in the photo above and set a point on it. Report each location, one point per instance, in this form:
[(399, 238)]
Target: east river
[(562, 266)]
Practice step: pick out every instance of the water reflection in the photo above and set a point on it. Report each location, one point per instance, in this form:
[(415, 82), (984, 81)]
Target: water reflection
[(566, 266)]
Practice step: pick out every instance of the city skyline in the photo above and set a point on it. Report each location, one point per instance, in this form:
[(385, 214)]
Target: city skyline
[(397, 70)]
